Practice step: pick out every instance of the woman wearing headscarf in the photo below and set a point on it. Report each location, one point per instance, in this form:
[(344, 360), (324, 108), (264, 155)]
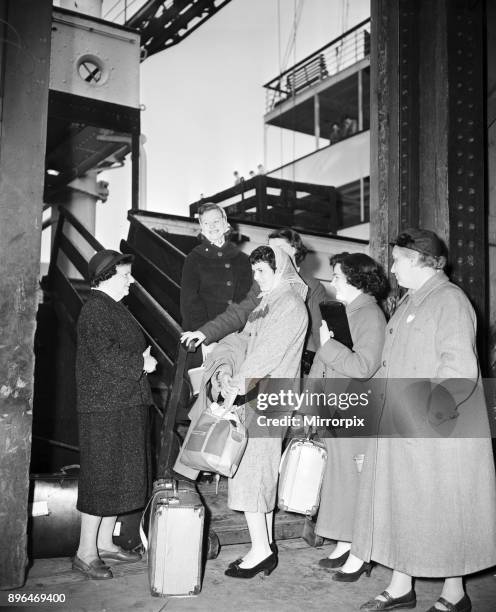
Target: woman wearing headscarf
[(269, 346), (235, 316)]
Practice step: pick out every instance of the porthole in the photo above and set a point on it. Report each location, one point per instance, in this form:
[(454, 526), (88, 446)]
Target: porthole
[(92, 70)]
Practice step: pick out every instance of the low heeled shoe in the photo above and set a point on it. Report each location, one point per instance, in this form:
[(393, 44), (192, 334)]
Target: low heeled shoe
[(273, 548), (125, 556), (464, 605), (336, 562), (96, 569), (392, 603), (341, 576), (267, 566)]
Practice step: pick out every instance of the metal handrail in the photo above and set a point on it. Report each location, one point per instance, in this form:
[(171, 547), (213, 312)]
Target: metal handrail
[(337, 55)]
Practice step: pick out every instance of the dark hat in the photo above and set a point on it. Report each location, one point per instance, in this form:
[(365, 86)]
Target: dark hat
[(104, 260), (420, 240)]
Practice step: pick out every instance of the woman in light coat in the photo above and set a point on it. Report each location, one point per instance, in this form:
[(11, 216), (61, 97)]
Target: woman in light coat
[(358, 281), (269, 347), (427, 505)]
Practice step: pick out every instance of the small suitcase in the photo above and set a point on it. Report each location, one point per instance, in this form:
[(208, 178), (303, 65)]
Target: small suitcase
[(175, 537), (301, 474)]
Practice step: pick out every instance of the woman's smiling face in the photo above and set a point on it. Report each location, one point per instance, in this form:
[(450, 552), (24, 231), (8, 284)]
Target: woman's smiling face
[(264, 275)]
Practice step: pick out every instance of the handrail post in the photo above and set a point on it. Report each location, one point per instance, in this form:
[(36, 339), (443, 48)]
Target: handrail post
[(261, 196), (56, 243)]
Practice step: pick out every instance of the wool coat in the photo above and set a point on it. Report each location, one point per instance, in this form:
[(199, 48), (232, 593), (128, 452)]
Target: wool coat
[(427, 505), (236, 315), (109, 358), (270, 346), (212, 278), (333, 364), (113, 395)]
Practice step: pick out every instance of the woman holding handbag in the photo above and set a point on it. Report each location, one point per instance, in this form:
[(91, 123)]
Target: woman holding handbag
[(358, 281), (269, 346)]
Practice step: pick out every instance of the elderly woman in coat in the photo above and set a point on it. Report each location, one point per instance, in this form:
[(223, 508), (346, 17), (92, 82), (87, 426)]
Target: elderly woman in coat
[(427, 505), (113, 395), (358, 281), (269, 346)]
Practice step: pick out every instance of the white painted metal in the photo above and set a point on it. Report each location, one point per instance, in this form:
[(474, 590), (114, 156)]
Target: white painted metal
[(87, 7), (81, 46)]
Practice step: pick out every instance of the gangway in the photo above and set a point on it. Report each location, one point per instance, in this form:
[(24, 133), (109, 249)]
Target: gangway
[(159, 243)]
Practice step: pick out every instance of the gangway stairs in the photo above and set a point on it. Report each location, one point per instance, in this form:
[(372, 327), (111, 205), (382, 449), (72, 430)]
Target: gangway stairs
[(160, 244)]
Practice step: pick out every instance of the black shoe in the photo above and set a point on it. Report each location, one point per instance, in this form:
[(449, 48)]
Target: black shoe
[(273, 548), (341, 576), (336, 562), (267, 566), (464, 605), (392, 603)]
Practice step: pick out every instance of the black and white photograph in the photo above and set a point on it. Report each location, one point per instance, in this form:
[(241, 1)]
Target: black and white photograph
[(247, 305)]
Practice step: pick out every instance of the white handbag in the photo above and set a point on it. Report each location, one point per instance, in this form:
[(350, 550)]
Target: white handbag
[(301, 474)]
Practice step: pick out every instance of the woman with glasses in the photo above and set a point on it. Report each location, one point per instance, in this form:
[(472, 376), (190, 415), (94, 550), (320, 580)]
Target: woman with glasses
[(358, 282)]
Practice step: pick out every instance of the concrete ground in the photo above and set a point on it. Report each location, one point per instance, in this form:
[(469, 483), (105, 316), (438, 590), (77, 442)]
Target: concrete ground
[(297, 584)]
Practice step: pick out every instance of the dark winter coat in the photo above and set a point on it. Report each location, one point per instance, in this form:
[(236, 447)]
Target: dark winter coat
[(109, 361), (212, 278)]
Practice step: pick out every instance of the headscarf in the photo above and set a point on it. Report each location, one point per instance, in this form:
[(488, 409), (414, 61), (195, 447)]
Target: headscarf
[(286, 274)]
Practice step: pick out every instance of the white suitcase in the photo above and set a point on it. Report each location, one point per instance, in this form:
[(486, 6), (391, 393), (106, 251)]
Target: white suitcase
[(301, 474), (175, 539)]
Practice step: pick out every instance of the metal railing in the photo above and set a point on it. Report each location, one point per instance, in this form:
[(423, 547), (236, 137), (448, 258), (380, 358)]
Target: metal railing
[(269, 200), (122, 10), (339, 54)]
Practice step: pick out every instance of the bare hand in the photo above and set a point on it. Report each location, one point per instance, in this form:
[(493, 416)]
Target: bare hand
[(325, 333), (149, 362), (226, 385), (196, 336)]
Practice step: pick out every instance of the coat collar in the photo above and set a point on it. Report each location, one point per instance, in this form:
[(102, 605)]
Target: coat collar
[(210, 251), (362, 300), (417, 297)]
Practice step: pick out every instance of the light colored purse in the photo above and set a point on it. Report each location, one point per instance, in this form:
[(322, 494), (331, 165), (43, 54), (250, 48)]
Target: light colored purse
[(217, 440)]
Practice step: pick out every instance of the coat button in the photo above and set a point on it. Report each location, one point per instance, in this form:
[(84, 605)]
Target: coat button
[(219, 254), (384, 363), (390, 330), (228, 265), (228, 283)]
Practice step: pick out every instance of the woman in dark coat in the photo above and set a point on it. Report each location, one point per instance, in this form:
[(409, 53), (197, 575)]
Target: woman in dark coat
[(215, 273), (113, 394)]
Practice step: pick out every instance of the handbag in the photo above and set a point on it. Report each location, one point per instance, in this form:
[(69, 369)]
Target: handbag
[(216, 441), (301, 475)]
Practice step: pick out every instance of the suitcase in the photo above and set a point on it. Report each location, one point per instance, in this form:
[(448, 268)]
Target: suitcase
[(301, 474), (54, 522), (175, 536)]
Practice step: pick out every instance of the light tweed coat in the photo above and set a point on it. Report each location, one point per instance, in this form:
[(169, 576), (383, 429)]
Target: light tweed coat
[(335, 361), (270, 346), (427, 506)]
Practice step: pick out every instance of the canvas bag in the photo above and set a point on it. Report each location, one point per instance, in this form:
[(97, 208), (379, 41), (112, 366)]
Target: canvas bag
[(216, 441)]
